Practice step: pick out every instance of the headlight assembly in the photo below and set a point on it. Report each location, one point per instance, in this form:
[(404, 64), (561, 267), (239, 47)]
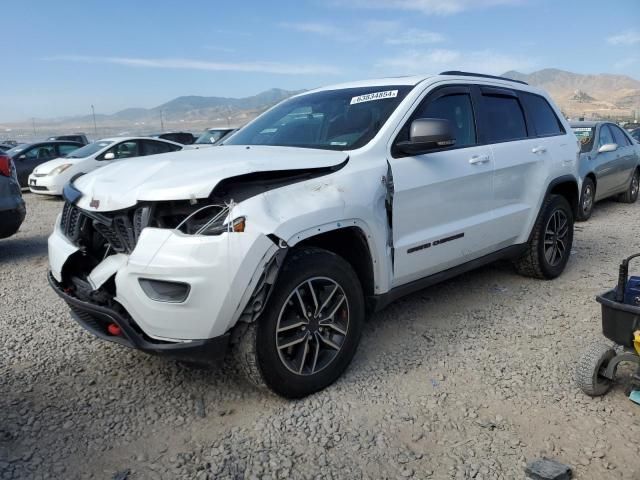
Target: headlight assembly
[(59, 169)]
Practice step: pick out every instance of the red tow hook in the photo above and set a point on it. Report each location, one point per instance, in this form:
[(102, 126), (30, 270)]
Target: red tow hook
[(114, 330)]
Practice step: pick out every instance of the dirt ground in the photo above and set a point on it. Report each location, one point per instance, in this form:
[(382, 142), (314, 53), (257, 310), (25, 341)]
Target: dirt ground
[(471, 378)]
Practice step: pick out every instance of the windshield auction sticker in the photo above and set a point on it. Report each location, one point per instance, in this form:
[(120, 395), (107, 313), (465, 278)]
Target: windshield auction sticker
[(374, 96)]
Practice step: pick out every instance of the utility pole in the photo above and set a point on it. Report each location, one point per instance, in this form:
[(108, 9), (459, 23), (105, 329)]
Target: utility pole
[(95, 127), (161, 121)]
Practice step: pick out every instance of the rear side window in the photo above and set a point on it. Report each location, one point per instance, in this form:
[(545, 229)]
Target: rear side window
[(545, 122), (152, 148), (504, 118), (619, 136), (66, 149)]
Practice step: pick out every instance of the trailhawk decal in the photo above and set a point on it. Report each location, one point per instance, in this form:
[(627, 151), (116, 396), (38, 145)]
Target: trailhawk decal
[(374, 96), (436, 242)]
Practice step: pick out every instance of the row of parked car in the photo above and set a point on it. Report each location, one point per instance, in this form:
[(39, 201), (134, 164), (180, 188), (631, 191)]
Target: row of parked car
[(45, 167)]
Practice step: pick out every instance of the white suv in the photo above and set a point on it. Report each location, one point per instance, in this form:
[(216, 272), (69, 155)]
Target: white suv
[(326, 207)]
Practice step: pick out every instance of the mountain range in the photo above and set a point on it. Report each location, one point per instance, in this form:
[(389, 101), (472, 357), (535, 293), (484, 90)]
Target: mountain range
[(603, 95)]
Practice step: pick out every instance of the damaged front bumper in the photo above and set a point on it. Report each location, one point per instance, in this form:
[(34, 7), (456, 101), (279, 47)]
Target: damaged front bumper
[(222, 272), (99, 319)]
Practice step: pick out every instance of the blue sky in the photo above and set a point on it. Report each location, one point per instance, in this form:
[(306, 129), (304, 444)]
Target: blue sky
[(60, 57)]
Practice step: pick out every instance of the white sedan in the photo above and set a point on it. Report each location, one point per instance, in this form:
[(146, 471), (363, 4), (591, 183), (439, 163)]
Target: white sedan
[(49, 178)]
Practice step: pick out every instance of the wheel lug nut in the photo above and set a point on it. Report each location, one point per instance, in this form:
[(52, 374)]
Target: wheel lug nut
[(303, 328)]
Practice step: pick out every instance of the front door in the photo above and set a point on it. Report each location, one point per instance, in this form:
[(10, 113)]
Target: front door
[(442, 200)]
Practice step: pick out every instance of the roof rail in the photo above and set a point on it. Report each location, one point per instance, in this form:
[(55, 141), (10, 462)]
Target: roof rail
[(482, 75)]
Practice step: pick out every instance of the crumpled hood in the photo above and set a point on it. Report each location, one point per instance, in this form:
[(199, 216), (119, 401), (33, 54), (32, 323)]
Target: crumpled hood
[(188, 174), (46, 167)]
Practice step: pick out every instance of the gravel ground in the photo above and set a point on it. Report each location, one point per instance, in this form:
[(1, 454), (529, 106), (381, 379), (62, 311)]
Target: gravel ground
[(468, 379)]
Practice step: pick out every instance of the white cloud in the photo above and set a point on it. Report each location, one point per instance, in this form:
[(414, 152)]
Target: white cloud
[(414, 36), (187, 64), (629, 37), (435, 7), (322, 29), (436, 60)]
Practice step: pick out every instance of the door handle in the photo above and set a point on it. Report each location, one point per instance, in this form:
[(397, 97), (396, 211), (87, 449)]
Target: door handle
[(479, 159), (538, 150)]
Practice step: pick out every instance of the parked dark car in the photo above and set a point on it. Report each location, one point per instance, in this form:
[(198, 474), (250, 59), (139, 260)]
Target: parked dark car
[(76, 137), (609, 164), (12, 209), (28, 156), (212, 136), (184, 138), (635, 133), (5, 146)]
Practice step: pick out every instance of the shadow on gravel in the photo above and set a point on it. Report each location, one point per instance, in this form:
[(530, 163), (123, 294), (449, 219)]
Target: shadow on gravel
[(17, 248)]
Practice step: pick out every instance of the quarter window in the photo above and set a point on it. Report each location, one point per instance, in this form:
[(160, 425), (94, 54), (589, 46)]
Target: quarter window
[(504, 118), (545, 121), (456, 108)]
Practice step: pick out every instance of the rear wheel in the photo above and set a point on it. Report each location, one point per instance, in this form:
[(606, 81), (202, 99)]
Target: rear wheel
[(309, 330), (591, 366), (587, 199), (631, 195), (549, 247)]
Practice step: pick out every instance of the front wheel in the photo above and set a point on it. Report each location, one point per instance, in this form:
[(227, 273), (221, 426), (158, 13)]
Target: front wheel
[(631, 195), (587, 199), (309, 330), (549, 246)]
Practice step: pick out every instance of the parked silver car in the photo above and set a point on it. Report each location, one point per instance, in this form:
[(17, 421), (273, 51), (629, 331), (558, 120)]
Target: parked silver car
[(609, 164)]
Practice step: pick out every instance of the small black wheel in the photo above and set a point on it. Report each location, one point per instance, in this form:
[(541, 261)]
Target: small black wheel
[(587, 199), (591, 366), (309, 330), (631, 195), (549, 246)]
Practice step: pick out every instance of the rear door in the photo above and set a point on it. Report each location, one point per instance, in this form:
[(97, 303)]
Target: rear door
[(521, 162), (442, 199)]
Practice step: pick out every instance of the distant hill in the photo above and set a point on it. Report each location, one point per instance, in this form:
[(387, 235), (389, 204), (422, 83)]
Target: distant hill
[(603, 95)]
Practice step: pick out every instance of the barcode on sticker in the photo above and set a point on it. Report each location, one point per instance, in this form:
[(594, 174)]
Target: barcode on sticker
[(374, 96)]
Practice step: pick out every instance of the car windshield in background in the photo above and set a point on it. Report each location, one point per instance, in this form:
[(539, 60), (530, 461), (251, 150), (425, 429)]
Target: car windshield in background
[(211, 136), (333, 120), (87, 150), (585, 137), (15, 150)]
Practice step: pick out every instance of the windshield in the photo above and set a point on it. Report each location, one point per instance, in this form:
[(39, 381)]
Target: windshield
[(585, 137), (211, 136), (333, 120), (88, 150), (15, 150)]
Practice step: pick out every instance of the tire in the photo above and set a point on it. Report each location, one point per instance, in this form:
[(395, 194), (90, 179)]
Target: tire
[(296, 353), (631, 195), (587, 199), (591, 363), (554, 213)]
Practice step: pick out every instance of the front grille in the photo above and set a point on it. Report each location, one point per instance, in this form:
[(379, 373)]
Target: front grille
[(115, 229), (71, 222), (38, 188)]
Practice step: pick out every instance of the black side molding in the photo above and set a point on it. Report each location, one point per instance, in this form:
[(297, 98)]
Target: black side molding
[(379, 302)]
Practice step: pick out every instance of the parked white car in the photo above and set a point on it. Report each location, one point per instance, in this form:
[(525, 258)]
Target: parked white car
[(323, 209), (50, 177)]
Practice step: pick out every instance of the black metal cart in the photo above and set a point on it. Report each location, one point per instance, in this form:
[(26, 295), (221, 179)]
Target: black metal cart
[(597, 367)]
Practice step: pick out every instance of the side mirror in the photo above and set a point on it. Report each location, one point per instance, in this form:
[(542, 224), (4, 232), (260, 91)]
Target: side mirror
[(109, 156), (608, 147), (22, 157), (427, 134)]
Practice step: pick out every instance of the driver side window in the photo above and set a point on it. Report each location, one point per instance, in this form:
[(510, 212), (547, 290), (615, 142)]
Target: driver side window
[(124, 150), (605, 136), (456, 108)]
